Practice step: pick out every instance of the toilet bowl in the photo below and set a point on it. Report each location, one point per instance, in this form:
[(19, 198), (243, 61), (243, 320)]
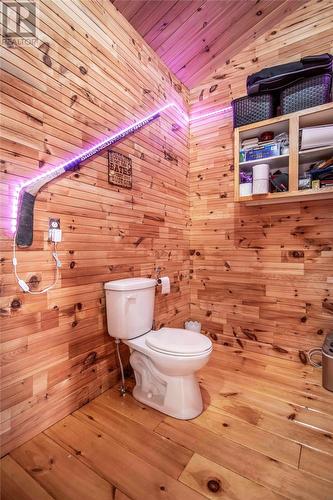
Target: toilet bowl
[(164, 361)]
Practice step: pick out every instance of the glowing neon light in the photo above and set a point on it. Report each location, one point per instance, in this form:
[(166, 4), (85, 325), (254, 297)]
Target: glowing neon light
[(26, 192), (213, 113)]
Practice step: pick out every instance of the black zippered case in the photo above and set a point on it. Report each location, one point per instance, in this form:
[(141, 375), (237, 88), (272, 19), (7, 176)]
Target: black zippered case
[(276, 78)]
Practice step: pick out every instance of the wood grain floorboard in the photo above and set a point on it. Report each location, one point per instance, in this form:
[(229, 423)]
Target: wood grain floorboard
[(265, 433)]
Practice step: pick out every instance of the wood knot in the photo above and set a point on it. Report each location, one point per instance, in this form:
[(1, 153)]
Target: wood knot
[(83, 70), (47, 60), (36, 469), (72, 264), (73, 99), (90, 359), (303, 357), (297, 254), (15, 304), (34, 281), (258, 13), (214, 485), (279, 349), (44, 47)]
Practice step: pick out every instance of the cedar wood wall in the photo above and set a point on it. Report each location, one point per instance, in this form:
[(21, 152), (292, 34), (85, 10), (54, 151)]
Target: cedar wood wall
[(261, 276), (83, 81), (89, 75)]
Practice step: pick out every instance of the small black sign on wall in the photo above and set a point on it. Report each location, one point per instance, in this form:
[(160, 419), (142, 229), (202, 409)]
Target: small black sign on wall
[(120, 170)]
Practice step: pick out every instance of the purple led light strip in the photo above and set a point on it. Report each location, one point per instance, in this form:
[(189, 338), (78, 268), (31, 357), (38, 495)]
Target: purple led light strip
[(212, 113), (36, 182)]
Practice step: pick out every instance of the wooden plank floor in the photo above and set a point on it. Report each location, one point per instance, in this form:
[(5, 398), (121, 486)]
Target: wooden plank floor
[(266, 433)]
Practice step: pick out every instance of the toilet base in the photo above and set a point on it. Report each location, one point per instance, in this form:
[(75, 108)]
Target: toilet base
[(180, 397)]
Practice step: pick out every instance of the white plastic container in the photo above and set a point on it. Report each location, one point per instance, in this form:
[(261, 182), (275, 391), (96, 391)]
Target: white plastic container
[(194, 326), (245, 189)]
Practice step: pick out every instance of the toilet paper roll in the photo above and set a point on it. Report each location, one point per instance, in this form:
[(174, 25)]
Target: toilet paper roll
[(260, 171), (165, 282), (260, 186)]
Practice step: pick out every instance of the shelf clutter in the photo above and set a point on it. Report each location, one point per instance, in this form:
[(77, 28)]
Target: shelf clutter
[(282, 145), (289, 157), (257, 153), (318, 171)]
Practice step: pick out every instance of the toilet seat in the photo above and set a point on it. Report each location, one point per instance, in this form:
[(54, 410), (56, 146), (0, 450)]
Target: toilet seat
[(178, 342)]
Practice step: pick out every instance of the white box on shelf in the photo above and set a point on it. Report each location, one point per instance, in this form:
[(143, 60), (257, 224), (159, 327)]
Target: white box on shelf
[(245, 189)]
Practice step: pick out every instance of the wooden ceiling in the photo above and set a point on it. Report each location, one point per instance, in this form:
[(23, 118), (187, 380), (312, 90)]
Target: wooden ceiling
[(195, 37)]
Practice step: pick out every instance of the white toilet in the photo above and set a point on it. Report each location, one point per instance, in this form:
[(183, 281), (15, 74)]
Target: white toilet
[(164, 361)]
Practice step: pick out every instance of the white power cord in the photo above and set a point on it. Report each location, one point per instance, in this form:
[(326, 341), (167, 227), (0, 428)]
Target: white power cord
[(314, 352), (23, 284)]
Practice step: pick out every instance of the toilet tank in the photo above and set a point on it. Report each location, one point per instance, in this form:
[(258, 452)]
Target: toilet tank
[(130, 306)]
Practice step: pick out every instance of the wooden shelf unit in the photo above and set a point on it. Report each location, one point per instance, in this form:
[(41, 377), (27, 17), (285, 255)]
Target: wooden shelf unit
[(291, 123)]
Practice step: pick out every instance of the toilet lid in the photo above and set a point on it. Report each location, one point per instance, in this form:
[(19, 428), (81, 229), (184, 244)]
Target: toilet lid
[(178, 341)]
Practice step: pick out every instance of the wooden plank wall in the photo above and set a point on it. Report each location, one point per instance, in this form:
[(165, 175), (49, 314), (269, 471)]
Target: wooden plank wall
[(261, 276), (89, 75)]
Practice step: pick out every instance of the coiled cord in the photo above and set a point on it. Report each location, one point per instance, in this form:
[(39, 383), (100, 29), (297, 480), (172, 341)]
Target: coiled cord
[(23, 284), (313, 352)]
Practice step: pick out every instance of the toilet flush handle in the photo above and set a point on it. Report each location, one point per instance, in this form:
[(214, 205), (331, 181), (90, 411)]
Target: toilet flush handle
[(130, 297)]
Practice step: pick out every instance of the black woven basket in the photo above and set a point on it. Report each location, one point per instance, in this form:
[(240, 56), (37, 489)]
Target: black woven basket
[(306, 94), (252, 109)]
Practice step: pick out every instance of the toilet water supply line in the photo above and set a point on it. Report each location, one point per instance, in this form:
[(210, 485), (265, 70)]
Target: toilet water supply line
[(25, 194), (122, 388)]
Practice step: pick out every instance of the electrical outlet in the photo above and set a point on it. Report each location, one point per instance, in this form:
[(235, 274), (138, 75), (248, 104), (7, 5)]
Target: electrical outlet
[(53, 224)]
